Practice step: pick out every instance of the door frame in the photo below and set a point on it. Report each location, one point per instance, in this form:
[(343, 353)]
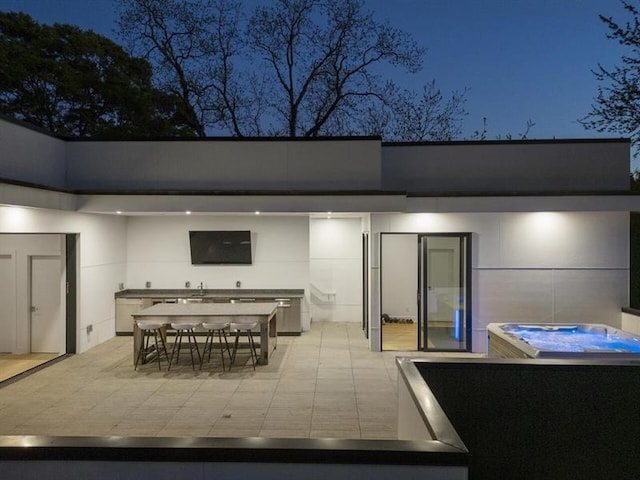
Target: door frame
[(71, 297), (365, 283), (468, 271), (465, 275)]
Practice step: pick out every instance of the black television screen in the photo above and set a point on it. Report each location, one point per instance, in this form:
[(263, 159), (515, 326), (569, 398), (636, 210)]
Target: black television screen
[(219, 247)]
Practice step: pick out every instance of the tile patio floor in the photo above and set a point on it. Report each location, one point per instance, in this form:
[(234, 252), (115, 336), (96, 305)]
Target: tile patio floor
[(325, 383)]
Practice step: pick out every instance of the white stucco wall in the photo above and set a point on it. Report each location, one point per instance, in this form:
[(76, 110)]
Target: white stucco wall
[(541, 266), (518, 166), (229, 164), (102, 265), (30, 156), (158, 252), (335, 266)]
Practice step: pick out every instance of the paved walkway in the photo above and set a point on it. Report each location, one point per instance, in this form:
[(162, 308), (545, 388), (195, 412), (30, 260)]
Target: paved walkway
[(325, 383)]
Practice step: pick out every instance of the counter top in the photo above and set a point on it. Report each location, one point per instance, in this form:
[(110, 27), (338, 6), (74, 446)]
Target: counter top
[(209, 293)]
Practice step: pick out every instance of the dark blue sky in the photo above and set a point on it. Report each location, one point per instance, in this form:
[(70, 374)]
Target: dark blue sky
[(520, 59)]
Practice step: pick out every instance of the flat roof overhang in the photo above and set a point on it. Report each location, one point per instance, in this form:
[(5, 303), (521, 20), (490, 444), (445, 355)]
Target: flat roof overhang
[(307, 202), (352, 202)]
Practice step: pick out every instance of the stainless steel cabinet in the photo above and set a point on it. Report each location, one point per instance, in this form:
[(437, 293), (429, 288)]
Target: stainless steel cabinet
[(289, 320)]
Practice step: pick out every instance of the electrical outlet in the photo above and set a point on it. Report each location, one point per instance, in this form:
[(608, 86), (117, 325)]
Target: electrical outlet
[(187, 284), (238, 284), (89, 329), (148, 284)]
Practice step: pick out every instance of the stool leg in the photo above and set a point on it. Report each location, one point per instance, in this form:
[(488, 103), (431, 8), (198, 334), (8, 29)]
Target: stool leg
[(155, 338), (195, 342), (206, 345), (235, 350), (141, 349), (189, 335), (252, 349), (221, 351), (176, 345), (164, 347), (224, 334)]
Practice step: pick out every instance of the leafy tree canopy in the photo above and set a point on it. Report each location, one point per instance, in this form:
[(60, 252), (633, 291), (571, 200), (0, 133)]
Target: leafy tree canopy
[(78, 83)]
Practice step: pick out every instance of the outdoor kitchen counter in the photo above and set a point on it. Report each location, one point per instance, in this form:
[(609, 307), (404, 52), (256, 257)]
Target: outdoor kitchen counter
[(209, 293), (290, 303)]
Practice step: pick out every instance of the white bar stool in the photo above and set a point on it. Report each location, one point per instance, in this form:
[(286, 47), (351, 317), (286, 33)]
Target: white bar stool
[(185, 328), (215, 325), (151, 327), (244, 324)]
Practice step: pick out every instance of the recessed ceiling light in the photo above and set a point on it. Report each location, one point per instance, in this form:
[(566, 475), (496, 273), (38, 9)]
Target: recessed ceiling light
[(188, 212), (119, 212), (257, 212)]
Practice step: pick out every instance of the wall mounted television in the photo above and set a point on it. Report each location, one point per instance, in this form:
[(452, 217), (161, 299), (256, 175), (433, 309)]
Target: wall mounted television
[(220, 247)]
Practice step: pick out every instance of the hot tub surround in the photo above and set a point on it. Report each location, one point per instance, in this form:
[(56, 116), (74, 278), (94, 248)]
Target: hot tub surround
[(564, 340)]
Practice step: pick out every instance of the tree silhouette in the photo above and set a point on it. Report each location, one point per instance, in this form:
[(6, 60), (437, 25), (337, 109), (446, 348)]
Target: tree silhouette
[(617, 105), (290, 67), (74, 82)]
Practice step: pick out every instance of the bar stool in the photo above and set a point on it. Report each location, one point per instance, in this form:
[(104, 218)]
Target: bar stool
[(215, 325), (183, 328), (244, 324), (151, 327)]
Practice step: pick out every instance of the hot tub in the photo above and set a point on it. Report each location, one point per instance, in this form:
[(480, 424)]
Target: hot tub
[(560, 340)]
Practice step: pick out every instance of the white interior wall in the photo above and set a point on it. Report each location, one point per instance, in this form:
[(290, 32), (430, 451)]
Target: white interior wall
[(399, 257), (541, 266), (335, 269), (158, 252), (102, 265)]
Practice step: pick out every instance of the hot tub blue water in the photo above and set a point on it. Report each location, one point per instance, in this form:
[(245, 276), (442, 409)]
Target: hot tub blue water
[(574, 338), (562, 340)]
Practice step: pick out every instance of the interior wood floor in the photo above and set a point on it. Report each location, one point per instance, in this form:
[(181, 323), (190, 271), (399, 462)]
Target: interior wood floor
[(400, 336), (12, 365)]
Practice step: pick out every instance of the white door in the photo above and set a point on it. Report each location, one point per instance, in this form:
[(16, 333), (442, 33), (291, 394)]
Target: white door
[(47, 319)]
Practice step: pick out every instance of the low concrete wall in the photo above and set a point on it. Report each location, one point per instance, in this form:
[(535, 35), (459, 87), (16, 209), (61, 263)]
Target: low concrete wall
[(532, 419), (106, 458)]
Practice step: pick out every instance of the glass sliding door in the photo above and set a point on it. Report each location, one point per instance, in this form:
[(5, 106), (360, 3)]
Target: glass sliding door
[(425, 291), (444, 294)]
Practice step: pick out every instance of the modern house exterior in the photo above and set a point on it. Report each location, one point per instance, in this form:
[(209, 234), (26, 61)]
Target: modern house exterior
[(451, 235)]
